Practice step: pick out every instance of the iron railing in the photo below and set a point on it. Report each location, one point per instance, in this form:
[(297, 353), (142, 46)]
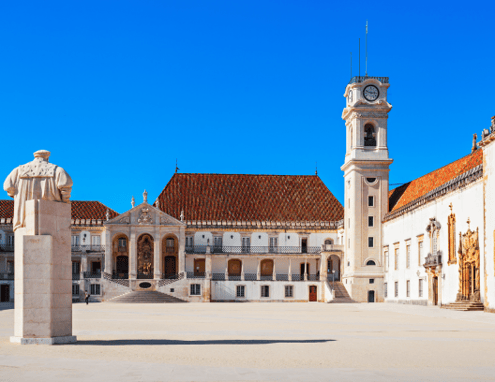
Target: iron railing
[(196, 275), (120, 276), (171, 276), (6, 248), (76, 276), (6, 276), (357, 79), (92, 275), (88, 248), (254, 277), (244, 249)]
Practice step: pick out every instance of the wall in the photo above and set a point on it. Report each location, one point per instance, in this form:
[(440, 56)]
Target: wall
[(467, 203)]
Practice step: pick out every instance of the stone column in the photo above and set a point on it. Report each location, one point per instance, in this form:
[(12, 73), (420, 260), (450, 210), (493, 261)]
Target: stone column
[(208, 266), (43, 275), (258, 271), (226, 268), (274, 271), (158, 258), (242, 270), (133, 256), (108, 254), (182, 250), (323, 268), (305, 269), (290, 269)]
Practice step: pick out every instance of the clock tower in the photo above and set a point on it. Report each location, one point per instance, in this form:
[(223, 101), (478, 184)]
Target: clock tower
[(366, 168)]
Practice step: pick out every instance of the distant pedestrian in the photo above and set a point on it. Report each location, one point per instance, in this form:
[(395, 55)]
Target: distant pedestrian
[(86, 297)]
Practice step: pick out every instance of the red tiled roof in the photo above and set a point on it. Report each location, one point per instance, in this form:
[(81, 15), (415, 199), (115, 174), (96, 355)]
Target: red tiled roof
[(405, 194), (250, 198), (80, 209)]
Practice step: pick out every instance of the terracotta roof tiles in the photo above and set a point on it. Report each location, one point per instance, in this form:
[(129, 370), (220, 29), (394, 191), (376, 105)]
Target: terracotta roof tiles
[(407, 193), (217, 197)]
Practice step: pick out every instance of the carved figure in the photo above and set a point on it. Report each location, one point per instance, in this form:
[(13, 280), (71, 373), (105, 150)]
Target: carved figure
[(38, 179)]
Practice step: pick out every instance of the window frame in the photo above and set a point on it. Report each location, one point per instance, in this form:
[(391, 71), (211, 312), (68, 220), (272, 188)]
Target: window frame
[(371, 219), (372, 241), (291, 291), (371, 201), (396, 289), (239, 288), (408, 288), (194, 286), (97, 288), (264, 288)]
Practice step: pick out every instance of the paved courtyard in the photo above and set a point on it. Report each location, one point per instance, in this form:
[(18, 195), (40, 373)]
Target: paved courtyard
[(259, 342)]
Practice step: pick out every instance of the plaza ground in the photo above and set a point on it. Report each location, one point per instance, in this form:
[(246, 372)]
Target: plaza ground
[(259, 342)]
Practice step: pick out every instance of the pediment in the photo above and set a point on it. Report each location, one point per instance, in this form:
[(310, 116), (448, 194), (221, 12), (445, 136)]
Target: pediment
[(145, 215)]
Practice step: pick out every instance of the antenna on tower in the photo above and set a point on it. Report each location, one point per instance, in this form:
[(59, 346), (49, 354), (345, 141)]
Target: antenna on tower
[(359, 57), (176, 167), (366, 67), (316, 168)]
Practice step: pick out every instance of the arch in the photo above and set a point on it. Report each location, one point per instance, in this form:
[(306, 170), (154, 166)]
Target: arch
[(234, 267), (369, 135), (333, 264), (371, 262), (170, 255), (328, 241), (145, 250), (120, 254), (266, 267)]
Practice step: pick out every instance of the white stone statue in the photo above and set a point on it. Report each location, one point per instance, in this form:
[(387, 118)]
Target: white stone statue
[(38, 179)]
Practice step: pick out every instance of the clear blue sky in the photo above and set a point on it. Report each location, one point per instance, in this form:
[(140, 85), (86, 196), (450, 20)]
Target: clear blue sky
[(118, 90)]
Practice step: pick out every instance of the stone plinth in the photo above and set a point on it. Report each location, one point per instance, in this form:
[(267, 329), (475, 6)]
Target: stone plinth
[(43, 275)]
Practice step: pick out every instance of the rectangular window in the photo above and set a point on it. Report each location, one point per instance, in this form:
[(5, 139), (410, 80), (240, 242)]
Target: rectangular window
[(195, 290), (396, 291), (370, 221), (95, 289), (420, 293), (241, 289), (246, 244), (289, 291), (408, 288), (265, 291), (122, 243), (370, 242), (75, 289), (371, 201), (76, 268), (10, 267), (420, 252), (10, 240), (386, 260), (96, 240), (189, 241), (372, 281), (408, 256), (217, 242), (396, 258), (384, 289), (75, 240), (273, 244)]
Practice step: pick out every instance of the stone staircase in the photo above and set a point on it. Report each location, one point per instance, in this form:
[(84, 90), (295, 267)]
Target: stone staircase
[(341, 295), (466, 306), (145, 297)]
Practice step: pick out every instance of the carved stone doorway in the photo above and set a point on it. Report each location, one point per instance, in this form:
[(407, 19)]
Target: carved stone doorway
[(170, 267), (469, 267), (145, 249), (122, 266)]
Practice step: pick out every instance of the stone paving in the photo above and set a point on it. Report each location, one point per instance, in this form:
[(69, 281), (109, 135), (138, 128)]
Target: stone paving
[(259, 342)]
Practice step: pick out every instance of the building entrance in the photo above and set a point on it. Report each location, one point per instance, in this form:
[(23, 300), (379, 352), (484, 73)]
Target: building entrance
[(371, 296), (312, 293), (5, 293)]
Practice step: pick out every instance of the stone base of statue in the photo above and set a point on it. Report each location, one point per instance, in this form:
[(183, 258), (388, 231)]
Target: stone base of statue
[(43, 275)]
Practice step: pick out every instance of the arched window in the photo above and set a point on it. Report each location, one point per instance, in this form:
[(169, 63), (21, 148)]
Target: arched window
[(170, 245), (329, 241), (370, 262), (369, 135)]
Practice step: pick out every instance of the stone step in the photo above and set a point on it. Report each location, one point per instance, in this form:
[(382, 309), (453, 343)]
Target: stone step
[(146, 297), (465, 306)]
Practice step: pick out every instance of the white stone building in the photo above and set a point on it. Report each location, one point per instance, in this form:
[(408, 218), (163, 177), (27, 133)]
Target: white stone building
[(212, 237)]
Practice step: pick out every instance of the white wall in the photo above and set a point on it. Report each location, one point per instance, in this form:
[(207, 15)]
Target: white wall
[(467, 203)]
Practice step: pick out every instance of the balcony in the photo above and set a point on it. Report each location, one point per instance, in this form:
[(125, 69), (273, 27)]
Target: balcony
[(244, 249), (92, 275), (6, 248), (332, 248), (357, 79), (76, 276), (433, 260), (88, 248)]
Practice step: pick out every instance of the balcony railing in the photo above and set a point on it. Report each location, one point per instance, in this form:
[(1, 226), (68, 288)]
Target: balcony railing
[(356, 79), (92, 275), (120, 276), (88, 248), (254, 277), (243, 249), (6, 248), (332, 247), (76, 276)]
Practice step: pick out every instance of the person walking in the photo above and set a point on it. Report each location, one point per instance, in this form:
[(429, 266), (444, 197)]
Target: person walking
[(86, 297)]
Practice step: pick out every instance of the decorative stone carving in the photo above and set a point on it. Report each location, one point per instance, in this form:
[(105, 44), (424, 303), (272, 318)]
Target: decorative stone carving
[(145, 216), (125, 220), (133, 202), (372, 115), (145, 196), (38, 179), (167, 221), (452, 239), (469, 266), (145, 256)]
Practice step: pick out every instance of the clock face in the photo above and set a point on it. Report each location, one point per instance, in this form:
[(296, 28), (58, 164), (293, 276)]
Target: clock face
[(371, 92)]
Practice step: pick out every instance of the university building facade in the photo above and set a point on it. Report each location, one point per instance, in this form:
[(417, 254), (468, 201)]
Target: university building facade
[(215, 237)]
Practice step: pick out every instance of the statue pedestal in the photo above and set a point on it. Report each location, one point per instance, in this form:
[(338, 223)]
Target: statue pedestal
[(43, 275)]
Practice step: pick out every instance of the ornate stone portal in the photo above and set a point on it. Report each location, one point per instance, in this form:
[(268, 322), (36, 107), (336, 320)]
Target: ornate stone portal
[(145, 257), (451, 226), (469, 266)]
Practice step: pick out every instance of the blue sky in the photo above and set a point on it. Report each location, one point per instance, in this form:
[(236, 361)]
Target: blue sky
[(118, 90)]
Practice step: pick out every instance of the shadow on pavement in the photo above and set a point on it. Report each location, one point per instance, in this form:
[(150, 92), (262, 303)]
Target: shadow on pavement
[(205, 342)]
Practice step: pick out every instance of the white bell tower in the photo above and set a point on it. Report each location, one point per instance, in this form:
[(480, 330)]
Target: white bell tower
[(366, 170)]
